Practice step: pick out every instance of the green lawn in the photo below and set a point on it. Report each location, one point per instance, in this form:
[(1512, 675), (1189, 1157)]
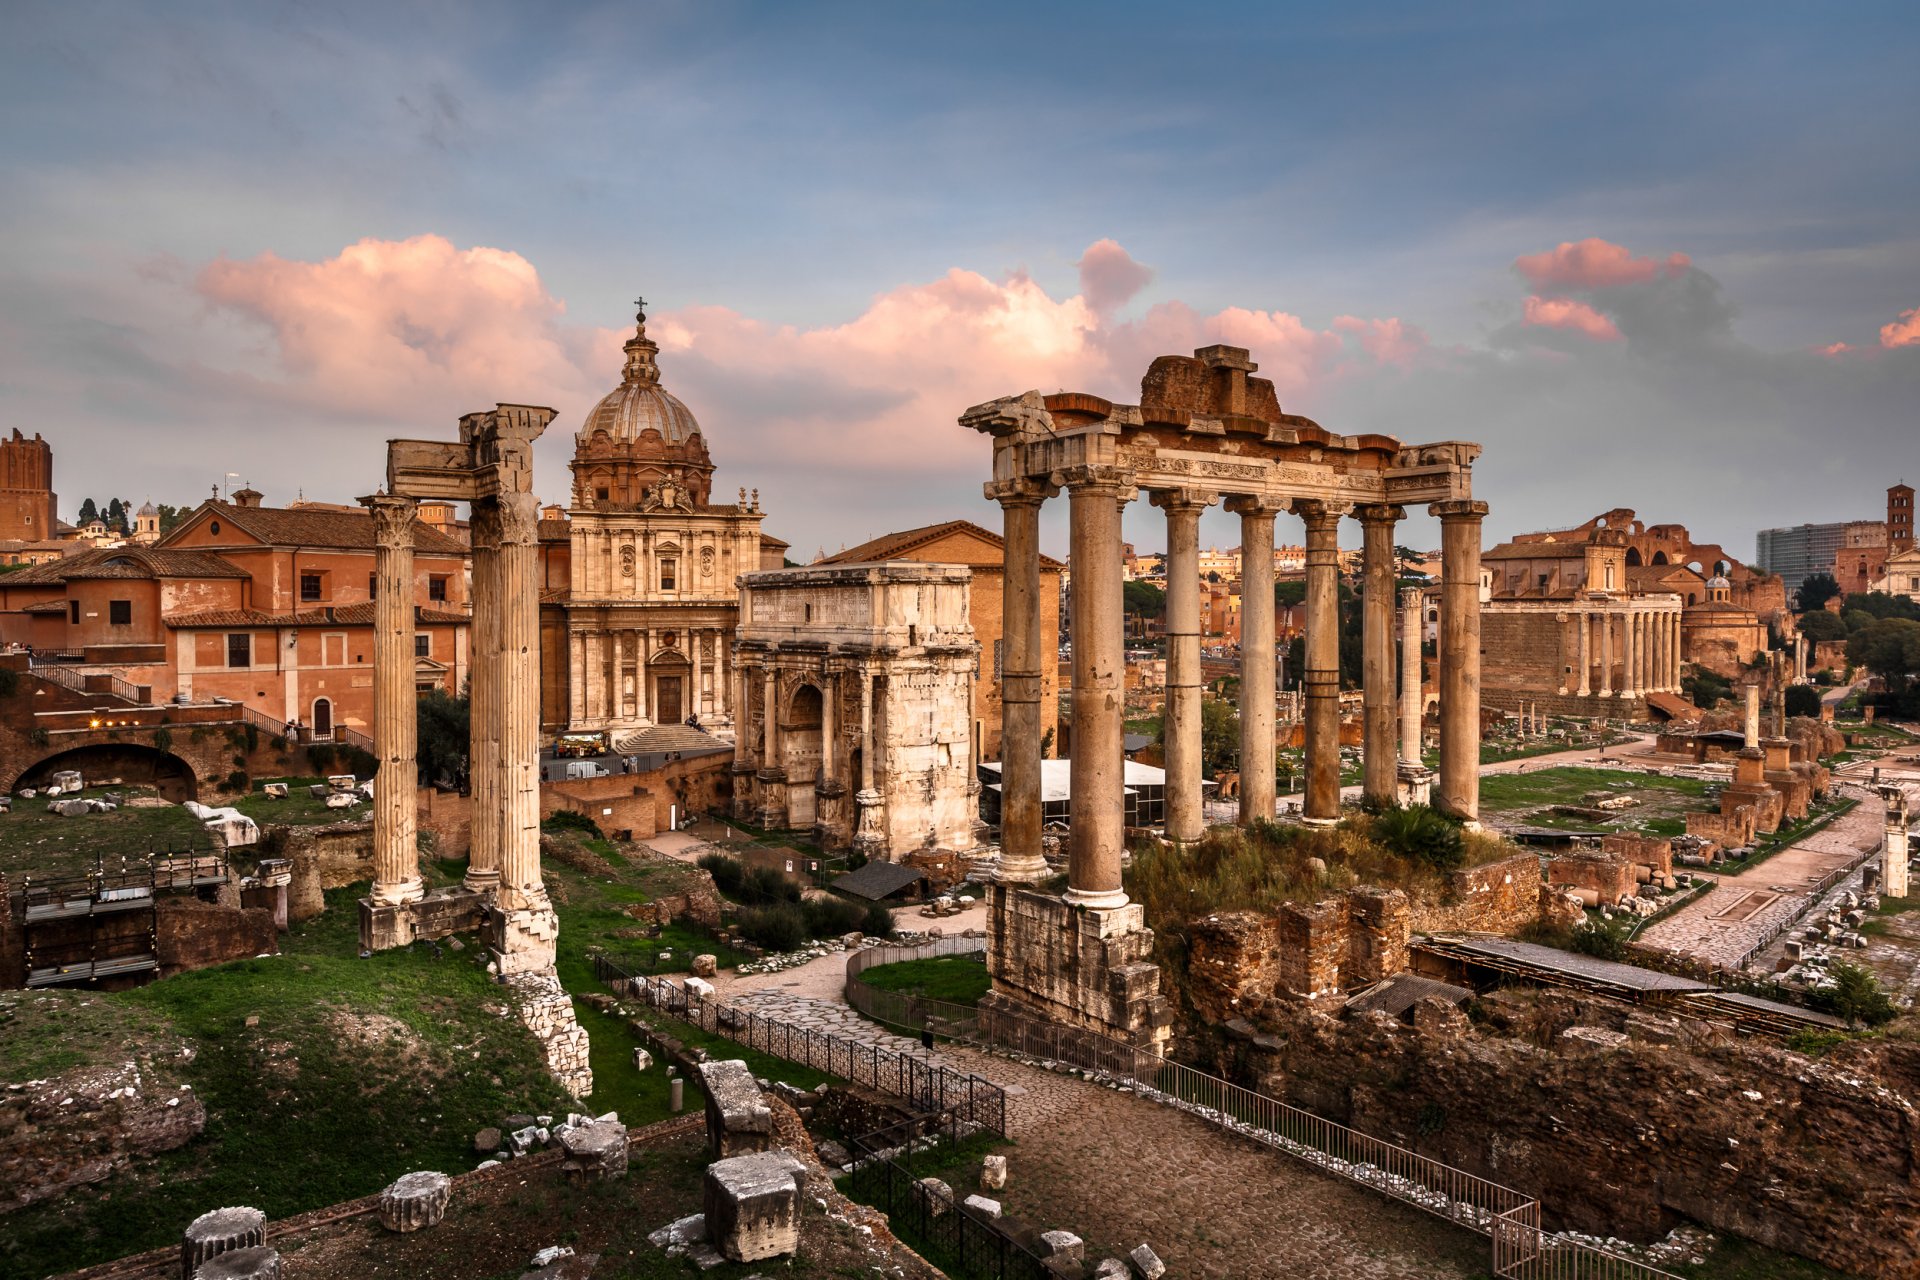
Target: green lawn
[(954, 979), (1532, 797), (44, 845)]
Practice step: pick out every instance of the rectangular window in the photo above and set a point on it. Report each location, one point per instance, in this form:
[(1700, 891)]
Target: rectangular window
[(73, 611), (310, 586), (373, 585), (120, 612), (422, 645), (239, 650), (437, 587), (668, 571)]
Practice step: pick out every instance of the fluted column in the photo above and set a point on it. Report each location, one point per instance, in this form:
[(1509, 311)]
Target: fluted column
[(1022, 680), (695, 642), (1585, 686), (576, 679), (518, 710), (1412, 608), (396, 857), (1630, 674), (483, 740), (742, 730), (1186, 820), (1605, 622), (1376, 644), (1320, 678), (866, 730), (1096, 495), (1256, 654), (1460, 657), (769, 728)]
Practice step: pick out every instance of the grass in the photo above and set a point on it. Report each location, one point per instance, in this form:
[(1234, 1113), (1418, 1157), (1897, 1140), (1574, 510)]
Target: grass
[(299, 808), (1736, 1259), (44, 845), (357, 1071), (954, 979), (1533, 797)]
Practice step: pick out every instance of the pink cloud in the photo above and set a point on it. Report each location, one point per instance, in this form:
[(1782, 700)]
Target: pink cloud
[(1389, 341), (1904, 332), (1836, 349), (1594, 263), (1109, 277), (1565, 313)]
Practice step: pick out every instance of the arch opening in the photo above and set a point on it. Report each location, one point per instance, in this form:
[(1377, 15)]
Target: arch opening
[(135, 764)]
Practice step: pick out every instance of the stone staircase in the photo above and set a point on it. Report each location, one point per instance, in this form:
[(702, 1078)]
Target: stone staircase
[(665, 737)]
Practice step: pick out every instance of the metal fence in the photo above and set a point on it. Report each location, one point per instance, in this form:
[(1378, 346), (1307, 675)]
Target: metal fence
[(923, 1084), (96, 684), (887, 1171), (1522, 1249)]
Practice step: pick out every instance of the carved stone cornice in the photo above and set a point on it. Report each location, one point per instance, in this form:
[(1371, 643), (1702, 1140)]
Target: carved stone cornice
[(1020, 491), (1459, 509)]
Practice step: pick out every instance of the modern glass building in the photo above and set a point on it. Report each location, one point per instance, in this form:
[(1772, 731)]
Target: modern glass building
[(1799, 552)]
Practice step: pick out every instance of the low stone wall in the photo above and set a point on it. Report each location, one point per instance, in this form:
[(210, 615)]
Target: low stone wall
[(328, 857), (1625, 1134), (448, 817), (1087, 968), (81, 1126), (190, 934), (1607, 876), (1497, 897)]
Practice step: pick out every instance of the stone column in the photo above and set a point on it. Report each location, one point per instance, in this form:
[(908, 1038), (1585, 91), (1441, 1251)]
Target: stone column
[(1256, 654), (742, 736), (1022, 679), (1800, 658), (1631, 643), (1320, 674), (1893, 847), (1098, 837), (769, 728), (695, 639), (576, 676), (396, 856), (1376, 643), (1185, 820), (522, 894), (1752, 725), (1460, 657), (866, 730), (1412, 609), (1585, 685), (483, 737), (1604, 619), (869, 835)]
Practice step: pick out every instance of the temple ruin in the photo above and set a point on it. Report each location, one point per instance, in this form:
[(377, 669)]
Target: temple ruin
[(490, 467), (1204, 432)]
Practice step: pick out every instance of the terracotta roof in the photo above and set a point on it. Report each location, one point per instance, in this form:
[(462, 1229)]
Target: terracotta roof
[(895, 546), (315, 527), (768, 540), (128, 562), (346, 615), (46, 606), (1536, 551), (555, 530)]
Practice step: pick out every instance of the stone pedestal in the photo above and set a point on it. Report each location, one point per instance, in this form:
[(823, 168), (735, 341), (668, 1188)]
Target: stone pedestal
[(752, 1205), (416, 1200), (384, 926), (1414, 783), (523, 940), (218, 1232), (739, 1122), (1893, 848), (1089, 967), (596, 1152), (870, 826), (256, 1263)]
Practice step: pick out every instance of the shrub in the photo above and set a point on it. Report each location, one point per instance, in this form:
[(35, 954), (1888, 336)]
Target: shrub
[(163, 739), (726, 872), (1420, 834), (569, 820), (767, 885), (319, 755), (878, 921), (1803, 700), (778, 928), (361, 764), (237, 781), (9, 682), (831, 917), (1601, 940), (1855, 996)]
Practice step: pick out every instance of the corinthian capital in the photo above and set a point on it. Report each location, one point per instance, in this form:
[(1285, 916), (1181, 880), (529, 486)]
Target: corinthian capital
[(394, 518), (519, 519)]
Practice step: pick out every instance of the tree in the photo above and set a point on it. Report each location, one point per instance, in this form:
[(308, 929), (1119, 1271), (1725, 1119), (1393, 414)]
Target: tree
[(88, 512), (1803, 700), (1878, 604), (1888, 647), (116, 516), (170, 517), (1822, 626), (1219, 735), (1144, 600), (1816, 590), (1854, 996), (1290, 591), (443, 723)]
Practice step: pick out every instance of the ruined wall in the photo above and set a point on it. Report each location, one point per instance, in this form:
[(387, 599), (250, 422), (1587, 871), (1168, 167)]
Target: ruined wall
[(1091, 969), (190, 934), (1497, 897), (448, 817), (329, 857), (77, 1128), (1817, 1158)]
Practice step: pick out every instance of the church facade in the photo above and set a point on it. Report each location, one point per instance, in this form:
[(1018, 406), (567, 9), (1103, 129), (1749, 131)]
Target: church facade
[(639, 595)]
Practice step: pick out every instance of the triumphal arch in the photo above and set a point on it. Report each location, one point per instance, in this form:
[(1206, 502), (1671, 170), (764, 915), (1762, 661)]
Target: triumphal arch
[(1205, 431)]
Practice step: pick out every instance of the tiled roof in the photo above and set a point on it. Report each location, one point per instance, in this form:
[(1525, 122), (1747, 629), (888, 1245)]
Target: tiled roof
[(346, 615), (127, 562), (316, 527), (768, 540), (1536, 551), (46, 606), (895, 546)]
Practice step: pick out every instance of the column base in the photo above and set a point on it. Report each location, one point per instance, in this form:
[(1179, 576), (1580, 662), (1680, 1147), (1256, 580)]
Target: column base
[(1083, 966), (869, 832), (1095, 899), (440, 914), (1027, 869), (1414, 784), (1319, 822), (483, 883), (399, 892)]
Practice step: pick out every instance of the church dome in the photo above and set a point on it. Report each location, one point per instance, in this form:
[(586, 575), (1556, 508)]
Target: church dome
[(640, 404), (1718, 582)]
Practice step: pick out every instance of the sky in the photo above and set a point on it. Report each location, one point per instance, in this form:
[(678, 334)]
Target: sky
[(1651, 256)]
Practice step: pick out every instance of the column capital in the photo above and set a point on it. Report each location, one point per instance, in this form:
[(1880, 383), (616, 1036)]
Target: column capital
[(394, 517), (1458, 509), (1412, 597), (1095, 477), (1258, 505), (1379, 513), (519, 519), (1316, 510), (1019, 491), (1182, 501)]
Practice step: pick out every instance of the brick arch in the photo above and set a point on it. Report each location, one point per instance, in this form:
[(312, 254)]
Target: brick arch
[(139, 763)]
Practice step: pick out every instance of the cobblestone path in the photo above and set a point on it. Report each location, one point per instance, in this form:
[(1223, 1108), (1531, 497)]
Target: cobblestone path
[(1118, 1170)]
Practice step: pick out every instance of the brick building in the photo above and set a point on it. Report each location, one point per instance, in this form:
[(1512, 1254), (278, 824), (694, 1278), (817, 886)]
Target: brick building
[(964, 542), (28, 507)]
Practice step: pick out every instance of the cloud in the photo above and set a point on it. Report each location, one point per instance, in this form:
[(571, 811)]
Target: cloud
[(1571, 315), (1594, 263), (1904, 332), (1109, 277), (1836, 349), (1389, 341)]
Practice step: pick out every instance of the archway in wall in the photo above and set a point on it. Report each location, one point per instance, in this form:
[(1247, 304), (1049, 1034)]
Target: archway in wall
[(1633, 557), (800, 748), (322, 721), (1660, 557), (132, 763)]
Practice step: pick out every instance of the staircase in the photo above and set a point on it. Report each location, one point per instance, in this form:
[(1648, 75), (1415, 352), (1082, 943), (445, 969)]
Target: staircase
[(667, 737)]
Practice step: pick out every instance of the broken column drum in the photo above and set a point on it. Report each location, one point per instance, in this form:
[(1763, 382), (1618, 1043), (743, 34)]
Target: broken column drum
[(1205, 431), (218, 1232)]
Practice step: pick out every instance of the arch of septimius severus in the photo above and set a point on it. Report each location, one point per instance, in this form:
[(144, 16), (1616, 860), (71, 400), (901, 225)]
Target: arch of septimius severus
[(1204, 432)]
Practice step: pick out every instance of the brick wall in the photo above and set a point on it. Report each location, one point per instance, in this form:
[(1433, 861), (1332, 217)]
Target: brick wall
[(1498, 897)]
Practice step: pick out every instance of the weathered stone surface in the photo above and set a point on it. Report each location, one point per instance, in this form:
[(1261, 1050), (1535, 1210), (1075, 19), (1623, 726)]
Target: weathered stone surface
[(704, 966), (738, 1118), (486, 1141), (415, 1200), (982, 1207), (1088, 967), (993, 1173), (256, 1263), (1110, 1269), (752, 1205), (118, 1115), (937, 1195), (596, 1151), (642, 1060), (217, 1232), (1147, 1263), (1062, 1245)]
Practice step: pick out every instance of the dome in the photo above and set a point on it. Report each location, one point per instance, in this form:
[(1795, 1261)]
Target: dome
[(146, 509), (640, 404), (1719, 583)]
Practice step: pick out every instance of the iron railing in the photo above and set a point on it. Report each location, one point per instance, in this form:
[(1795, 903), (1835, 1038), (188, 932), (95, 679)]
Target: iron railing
[(924, 1084)]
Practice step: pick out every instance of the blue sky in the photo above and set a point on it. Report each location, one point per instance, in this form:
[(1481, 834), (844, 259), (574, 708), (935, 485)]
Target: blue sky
[(793, 187)]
